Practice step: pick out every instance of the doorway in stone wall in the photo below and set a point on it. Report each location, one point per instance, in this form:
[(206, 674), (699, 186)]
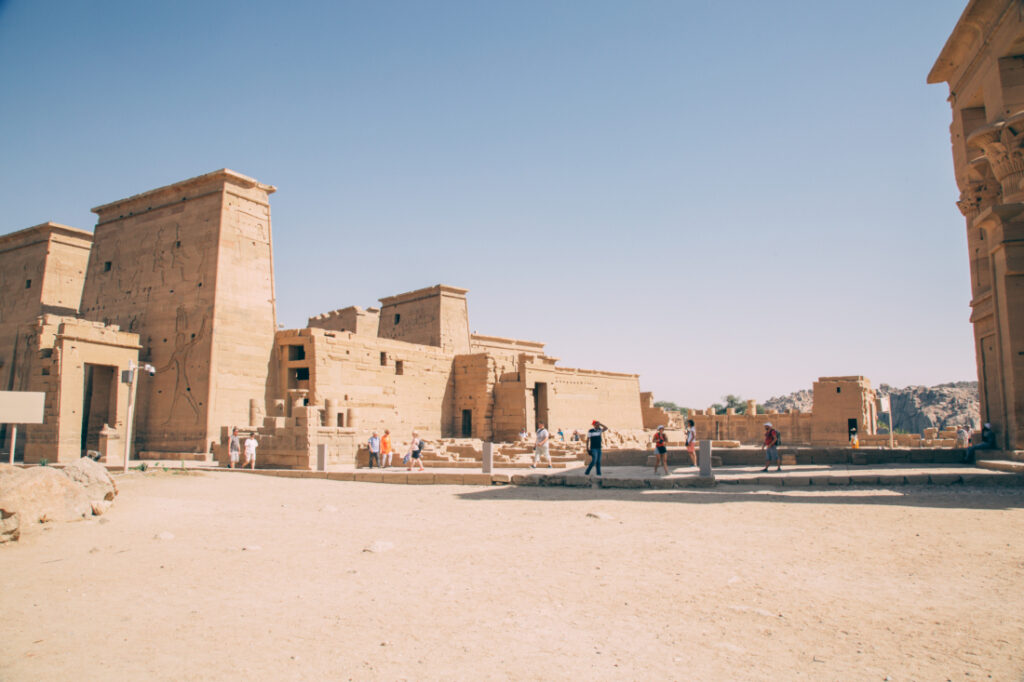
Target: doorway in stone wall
[(540, 404), (467, 423), (851, 428), (98, 396)]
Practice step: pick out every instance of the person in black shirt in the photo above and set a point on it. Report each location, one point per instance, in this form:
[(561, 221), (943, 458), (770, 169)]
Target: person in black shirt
[(594, 446)]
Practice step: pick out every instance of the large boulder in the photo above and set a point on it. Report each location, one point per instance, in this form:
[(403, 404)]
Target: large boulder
[(42, 494), (95, 480)]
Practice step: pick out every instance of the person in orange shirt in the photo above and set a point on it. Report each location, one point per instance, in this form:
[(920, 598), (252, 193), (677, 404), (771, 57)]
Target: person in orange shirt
[(385, 449)]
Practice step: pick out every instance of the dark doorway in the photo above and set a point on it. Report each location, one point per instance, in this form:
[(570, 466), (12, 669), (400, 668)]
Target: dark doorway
[(851, 428), (467, 423), (98, 396), (540, 404)]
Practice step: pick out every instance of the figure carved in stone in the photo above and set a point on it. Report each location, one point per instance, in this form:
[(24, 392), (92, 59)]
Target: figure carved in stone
[(178, 361)]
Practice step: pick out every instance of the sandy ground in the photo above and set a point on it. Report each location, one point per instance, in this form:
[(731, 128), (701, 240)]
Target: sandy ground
[(267, 578)]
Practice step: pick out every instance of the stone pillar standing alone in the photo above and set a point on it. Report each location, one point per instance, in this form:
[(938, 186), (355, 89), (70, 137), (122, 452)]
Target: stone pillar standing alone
[(704, 458), (487, 458)]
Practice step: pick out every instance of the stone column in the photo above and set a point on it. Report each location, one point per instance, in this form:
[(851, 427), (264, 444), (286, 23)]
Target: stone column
[(331, 409), (704, 458), (487, 459)]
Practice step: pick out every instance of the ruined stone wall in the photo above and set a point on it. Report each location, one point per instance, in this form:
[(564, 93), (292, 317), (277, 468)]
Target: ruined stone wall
[(656, 416), (794, 427), (434, 316), (352, 319), (189, 268), (374, 383), (576, 397)]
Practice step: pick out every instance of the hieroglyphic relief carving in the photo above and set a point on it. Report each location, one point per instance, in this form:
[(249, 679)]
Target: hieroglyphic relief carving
[(178, 362)]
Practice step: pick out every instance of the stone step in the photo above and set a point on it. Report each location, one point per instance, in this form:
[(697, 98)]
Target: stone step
[(1011, 466)]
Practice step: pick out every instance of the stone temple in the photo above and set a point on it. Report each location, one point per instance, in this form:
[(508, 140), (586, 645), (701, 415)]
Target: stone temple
[(983, 63), (182, 277)]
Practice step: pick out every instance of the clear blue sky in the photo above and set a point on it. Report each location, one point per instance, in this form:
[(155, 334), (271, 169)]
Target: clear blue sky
[(721, 197)]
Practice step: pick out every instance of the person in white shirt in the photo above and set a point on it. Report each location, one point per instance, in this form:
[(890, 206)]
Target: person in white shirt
[(541, 448), (250, 451)]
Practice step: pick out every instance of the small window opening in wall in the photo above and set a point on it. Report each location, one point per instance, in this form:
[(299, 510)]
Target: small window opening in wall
[(177, 245), (383, 359), (399, 367), (341, 419), (398, 318), (296, 352), (305, 401), (839, 389), (45, 372), (28, 284), (107, 266), (46, 352), (302, 373)]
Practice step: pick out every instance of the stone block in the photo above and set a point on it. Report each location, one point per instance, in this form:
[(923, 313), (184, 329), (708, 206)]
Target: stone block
[(943, 479), (449, 479), (524, 479), (476, 479), (891, 479), (770, 481), (818, 480), (421, 479), (662, 483), (395, 477), (578, 482), (796, 481), (864, 479), (552, 480), (367, 476), (916, 478), (621, 483), (501, 478), (838, 480), (341, 475)]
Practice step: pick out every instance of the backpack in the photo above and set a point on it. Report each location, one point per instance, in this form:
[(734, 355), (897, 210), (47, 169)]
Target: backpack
[(778, 438)]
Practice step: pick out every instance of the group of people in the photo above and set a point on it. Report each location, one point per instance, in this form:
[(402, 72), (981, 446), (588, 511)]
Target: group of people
[(660, 439), (235, 446), (381, 451)]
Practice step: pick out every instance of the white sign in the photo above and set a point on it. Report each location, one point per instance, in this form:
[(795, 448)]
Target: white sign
[(883, 404), (21, 407)]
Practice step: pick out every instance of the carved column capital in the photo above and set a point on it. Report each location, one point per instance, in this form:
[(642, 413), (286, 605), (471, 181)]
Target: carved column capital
[(1002, 143)]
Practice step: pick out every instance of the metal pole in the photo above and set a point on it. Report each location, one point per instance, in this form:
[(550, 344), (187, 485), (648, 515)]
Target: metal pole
[(131, 410), (14, 440)]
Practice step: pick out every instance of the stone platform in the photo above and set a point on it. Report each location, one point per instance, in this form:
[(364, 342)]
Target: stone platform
[(798, 476)]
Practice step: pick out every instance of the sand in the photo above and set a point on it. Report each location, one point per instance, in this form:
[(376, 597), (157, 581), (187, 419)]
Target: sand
[(268, 578)]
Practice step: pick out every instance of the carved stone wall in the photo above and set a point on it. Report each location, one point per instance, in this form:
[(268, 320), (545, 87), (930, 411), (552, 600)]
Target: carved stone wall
[(188, 268)]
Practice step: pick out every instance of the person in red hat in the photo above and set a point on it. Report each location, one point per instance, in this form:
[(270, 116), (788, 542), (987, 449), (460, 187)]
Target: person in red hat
[(594, 446)]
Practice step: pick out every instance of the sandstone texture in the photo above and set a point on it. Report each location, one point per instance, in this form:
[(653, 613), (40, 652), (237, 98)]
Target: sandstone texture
[(95, 481), (43, 494)]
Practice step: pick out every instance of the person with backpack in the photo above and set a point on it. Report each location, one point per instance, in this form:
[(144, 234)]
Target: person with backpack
[(661, 450), (771, 447), (415, 452), (691, 440)]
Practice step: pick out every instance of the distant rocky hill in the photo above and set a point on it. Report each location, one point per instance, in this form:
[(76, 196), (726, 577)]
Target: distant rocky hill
[(914, 408)]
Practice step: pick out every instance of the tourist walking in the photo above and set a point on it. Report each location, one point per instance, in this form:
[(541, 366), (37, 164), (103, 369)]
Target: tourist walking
[(374, 446), (691, 441), (561, 435), (385, 449), (415, 452), (594, 446), (250, 451), (770, 447), (988, 442), (661, 450), (234, 448), (541, 447)]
